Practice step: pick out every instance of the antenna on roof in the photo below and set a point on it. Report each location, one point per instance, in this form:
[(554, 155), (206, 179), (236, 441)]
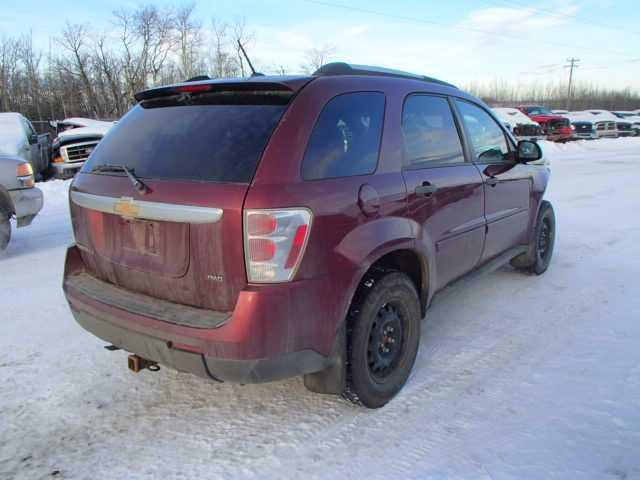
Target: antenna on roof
[(253, 70)]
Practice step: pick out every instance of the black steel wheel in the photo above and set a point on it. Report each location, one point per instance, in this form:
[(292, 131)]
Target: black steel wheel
[(385, 341), (538, 257), (382, 340)]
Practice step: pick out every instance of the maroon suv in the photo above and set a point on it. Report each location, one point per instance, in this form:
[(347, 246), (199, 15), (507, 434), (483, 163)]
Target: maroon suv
[(255, 229)]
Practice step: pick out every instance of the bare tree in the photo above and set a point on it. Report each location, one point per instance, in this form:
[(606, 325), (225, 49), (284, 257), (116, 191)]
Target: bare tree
[(31, 61), (8, 69), (97, 75), (111, 68), (317, 57), (189, 33), (240, 35), (223, 61), (73, 40)]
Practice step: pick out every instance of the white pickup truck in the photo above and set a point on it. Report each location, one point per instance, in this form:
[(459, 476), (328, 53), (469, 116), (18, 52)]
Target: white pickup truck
[(633, 117), (77, 138), (18, 138), (19, 197), (521, 126)]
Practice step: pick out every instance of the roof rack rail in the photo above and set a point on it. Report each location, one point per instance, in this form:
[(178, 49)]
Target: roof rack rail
[(342, 68)]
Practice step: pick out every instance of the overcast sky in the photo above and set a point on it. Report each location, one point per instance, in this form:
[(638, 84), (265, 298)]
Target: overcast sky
[(517, 41)]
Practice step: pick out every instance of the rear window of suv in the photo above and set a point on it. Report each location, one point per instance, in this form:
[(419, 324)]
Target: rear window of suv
[(220, 141)]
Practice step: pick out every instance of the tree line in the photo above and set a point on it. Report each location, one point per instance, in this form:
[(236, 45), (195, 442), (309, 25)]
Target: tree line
[(555, 95), (96, 74)]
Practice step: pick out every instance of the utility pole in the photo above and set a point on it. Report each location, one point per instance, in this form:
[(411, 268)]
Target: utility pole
[(573, 63)]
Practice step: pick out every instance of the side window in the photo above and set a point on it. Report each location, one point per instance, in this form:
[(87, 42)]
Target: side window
[(346, 138), (488, 139), (27, 128), (429, 132)]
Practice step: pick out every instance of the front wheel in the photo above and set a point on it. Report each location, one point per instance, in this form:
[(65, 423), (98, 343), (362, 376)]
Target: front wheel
[(538, 258), (384, 333), (5, 230)]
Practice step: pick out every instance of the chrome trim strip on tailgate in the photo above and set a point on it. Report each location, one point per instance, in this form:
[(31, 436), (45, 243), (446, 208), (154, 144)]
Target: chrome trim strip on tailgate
[(130, 208)]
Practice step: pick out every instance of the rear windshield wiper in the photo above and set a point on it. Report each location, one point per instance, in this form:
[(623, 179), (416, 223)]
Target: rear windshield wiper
[(137, 183)]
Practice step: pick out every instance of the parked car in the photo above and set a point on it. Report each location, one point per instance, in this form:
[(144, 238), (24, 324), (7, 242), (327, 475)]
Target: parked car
[(623, 128), (268, 227), (77, 138), (605, 122), (520, 125), (583, 126), (556, 127), (19, 198), (18, 138), (632, 117)]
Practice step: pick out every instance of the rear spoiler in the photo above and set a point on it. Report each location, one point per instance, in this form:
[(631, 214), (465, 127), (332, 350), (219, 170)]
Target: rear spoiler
[(221, 86)]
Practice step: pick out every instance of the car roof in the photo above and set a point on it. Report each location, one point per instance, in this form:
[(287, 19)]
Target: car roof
[(342, 68), (293, 83)]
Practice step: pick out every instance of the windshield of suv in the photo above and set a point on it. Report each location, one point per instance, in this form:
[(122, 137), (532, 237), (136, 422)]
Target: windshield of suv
[(176, 139), (538, 111)]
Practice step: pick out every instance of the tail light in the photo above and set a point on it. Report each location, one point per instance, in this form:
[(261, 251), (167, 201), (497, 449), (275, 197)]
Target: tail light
[(274, 243), (25, 175)]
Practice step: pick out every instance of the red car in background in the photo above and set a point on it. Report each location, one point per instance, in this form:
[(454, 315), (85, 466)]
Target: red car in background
[(556, 127)]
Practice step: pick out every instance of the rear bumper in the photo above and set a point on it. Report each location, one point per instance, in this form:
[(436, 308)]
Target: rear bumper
[(273, 333), (26, 203), (164, 352)]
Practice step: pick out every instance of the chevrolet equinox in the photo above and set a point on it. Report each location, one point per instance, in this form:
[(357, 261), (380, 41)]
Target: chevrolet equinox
[(249, 230)]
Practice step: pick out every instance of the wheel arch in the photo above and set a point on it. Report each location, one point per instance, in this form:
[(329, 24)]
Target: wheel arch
[(6, 204)]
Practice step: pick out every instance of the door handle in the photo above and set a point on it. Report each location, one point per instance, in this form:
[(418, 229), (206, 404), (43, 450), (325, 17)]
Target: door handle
[(426, 189), (492, 181)]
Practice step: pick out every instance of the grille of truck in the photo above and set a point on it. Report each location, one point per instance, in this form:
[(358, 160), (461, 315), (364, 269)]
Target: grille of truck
[(78, 152), (527, 130), (556, 125), (606, 125), (583, 127)]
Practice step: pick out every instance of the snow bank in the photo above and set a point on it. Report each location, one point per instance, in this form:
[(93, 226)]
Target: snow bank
[(604, 147)]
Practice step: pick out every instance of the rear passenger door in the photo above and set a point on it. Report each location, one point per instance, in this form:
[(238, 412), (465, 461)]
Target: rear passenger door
[(445, 192), (507, 182)]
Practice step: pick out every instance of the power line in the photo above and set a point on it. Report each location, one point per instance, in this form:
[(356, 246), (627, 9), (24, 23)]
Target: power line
[(573, 63), (458, 27)]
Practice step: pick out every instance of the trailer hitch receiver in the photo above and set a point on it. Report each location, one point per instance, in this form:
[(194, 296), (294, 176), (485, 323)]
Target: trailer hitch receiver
[(137, 364)]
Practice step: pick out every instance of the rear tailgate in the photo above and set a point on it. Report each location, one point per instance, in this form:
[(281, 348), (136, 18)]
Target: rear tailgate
[(182, 241)]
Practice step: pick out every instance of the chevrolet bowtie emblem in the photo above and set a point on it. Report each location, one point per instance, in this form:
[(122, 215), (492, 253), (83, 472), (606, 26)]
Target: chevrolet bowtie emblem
[(126, 207)]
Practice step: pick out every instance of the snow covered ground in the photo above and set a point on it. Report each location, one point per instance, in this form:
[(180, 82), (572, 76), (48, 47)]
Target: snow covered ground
[(518, 377)]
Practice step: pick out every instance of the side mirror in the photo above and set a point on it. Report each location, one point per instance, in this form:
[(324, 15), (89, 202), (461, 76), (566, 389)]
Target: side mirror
[(33, 139), (528, 151)]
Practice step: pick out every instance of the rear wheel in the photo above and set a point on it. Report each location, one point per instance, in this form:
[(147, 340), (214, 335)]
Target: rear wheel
[(5, 230), (538, 258), (383, 338)]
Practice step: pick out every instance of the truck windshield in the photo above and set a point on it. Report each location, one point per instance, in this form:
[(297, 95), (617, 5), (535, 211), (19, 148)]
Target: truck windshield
[(538, 111)]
